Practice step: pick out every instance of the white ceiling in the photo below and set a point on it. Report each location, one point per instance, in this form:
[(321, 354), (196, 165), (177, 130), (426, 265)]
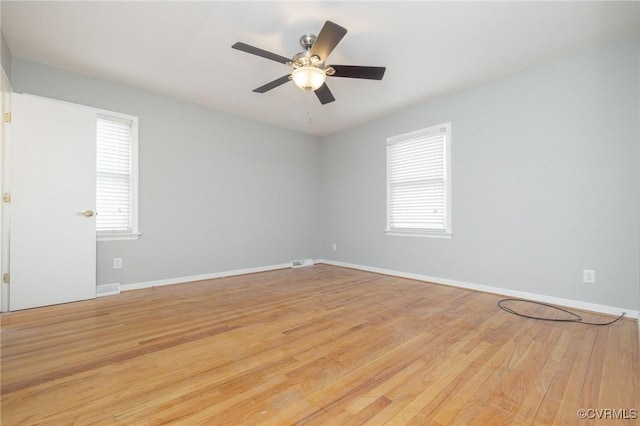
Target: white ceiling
[(183, 49)]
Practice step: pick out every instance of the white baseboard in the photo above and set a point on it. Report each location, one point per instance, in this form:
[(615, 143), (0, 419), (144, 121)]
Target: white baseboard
[(211, 276), (577, 304)]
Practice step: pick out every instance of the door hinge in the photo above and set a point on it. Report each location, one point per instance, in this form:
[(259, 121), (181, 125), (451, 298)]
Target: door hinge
[(6, 197), (6, 278), (7, 117)]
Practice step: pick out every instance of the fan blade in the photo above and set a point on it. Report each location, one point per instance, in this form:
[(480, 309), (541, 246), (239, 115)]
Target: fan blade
[(272, 85), (354, 71), (324, 94), (259, 52), (329, 37)]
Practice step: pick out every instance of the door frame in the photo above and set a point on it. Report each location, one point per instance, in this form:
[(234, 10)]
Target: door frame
[(5, 151)]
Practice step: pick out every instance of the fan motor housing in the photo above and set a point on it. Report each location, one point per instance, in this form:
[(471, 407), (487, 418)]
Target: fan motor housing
[(305, 58)]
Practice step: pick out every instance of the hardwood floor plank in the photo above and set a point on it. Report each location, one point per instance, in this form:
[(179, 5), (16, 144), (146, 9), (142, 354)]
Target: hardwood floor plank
[(561, 402), (364, 415), (318, 345), (478, 379), (430, 394)]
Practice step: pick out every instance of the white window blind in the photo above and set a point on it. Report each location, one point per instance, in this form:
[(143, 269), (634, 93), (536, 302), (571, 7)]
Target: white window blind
[(115, 178), (418, 182)]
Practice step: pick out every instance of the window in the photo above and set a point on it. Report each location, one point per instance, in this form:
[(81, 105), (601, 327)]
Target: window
[(418, 183), (116, 177)]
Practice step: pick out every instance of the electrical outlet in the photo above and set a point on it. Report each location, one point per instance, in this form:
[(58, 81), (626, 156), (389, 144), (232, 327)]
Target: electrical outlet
[(334, 247), (117, 263), (589, 276)]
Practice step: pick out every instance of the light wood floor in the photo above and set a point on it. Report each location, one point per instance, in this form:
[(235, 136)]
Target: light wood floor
[(320, 345)]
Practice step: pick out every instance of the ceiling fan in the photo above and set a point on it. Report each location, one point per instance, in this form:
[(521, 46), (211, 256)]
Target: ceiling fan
[(309, 69)]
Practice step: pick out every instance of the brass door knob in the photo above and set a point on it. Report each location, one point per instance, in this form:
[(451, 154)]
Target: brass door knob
[(86, 213)]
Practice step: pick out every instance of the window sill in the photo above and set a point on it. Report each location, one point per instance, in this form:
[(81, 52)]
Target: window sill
[(118, 237), (442, 235)]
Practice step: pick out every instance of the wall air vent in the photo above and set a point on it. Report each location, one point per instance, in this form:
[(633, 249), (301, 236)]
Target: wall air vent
[(107, 289), (301, 263)]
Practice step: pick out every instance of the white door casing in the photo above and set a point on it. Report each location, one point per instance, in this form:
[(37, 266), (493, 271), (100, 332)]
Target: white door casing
[(52, 175), (5, 88)]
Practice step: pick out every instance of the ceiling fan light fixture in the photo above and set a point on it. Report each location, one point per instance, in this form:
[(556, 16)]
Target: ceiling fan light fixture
[(309, 71), (308, 77)]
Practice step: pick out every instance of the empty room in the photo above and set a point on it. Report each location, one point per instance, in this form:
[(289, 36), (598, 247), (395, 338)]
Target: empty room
[(320, 212)]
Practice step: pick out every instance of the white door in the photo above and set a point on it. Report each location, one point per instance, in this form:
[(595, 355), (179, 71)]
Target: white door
[(52, 246)]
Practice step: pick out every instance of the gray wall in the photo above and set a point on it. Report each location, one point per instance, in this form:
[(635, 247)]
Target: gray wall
[(546, 183), (217, 192)]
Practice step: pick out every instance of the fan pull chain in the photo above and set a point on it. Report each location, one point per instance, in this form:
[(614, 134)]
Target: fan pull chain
[(308, 102)]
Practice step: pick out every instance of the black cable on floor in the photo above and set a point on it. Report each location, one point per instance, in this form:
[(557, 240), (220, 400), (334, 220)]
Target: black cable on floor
[(575, 317)]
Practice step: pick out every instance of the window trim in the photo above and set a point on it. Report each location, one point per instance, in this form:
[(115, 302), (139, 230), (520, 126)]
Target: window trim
[(447, 233), (134, 234)]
